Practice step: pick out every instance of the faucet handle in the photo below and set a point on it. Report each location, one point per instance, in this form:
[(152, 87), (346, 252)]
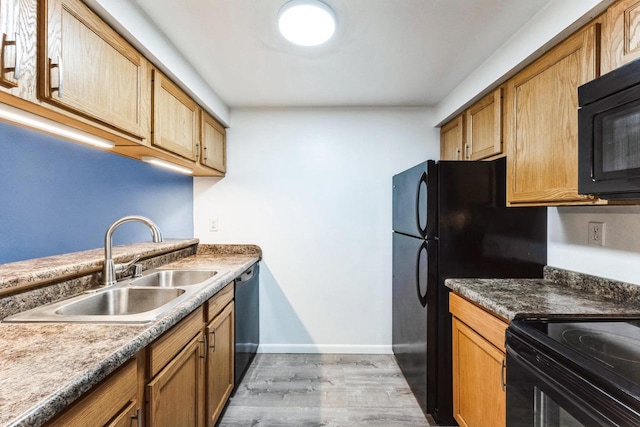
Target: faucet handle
[(119, 268)]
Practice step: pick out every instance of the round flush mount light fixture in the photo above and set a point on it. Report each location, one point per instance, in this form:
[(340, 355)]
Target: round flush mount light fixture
[(306, 22)]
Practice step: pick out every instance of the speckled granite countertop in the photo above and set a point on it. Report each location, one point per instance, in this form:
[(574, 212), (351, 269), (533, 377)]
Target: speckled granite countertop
[(46, 366), (559, 292), (37, 270)]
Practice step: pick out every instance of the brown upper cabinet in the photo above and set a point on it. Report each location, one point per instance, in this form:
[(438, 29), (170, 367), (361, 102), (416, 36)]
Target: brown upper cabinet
[(60, 61), (213, 143), (621, 34), (452, 138), (174, 124), (484, 127), (87, 68), (13, 42), (475, 134), (18, 21), (541, 105)]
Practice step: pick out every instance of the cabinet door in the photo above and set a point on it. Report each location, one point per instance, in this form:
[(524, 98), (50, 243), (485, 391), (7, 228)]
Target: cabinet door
[(87, 68), (220, 333), (479, 398), (484, 127), (175, 394), (175, 118), (17, 47), (452, 139), (212, 137), (126, 418), (542, 123), (621, 35)]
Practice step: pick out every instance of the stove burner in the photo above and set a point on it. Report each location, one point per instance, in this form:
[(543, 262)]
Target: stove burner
[(607, 345)]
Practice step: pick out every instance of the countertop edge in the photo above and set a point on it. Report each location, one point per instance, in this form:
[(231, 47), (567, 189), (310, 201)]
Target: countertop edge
[(508, 298)]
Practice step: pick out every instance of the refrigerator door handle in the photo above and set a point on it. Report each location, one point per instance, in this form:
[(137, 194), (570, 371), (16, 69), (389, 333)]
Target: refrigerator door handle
[(423, 230), (421, 298)]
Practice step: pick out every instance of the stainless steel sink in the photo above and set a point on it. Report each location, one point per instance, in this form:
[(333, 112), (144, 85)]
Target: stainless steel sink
[(173, 278), (121, 301), (138, 300)]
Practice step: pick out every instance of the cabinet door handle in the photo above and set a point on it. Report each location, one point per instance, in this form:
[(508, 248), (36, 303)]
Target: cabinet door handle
[(16, 57), (213, 340), (204, 341), (503, 380), (206, 153), (57, 65), (137, 418), (458, 153), (198, 151), (467, 154)]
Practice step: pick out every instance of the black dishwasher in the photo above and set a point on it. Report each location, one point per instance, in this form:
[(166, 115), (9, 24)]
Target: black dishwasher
[(247, 320)]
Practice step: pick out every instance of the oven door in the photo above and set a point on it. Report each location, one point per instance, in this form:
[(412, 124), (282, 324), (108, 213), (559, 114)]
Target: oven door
[(543, 391)]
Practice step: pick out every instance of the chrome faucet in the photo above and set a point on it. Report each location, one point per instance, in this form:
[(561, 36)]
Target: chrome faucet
[(110, 269)]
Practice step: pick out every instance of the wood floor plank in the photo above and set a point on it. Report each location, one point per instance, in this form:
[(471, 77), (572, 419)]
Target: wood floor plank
[(332, 390)]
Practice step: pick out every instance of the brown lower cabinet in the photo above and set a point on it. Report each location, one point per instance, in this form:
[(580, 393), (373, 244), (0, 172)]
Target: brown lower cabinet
[(183, 378), (220, 374), (113, 402), (479, 368), (174, 396)]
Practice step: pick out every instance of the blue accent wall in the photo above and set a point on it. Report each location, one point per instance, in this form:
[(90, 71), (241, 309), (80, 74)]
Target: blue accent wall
[(58, 197)]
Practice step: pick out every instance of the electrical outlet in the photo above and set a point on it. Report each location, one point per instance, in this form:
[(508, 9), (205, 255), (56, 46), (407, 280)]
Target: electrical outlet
[(213, 224), (596, 233)]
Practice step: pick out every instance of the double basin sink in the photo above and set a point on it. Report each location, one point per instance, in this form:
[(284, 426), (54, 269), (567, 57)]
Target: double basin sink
[(137, 300)]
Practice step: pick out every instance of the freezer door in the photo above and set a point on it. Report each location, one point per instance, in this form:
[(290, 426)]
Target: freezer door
[(414, 314), (414, 201)]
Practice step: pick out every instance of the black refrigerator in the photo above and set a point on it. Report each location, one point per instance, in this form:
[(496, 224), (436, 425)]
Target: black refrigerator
[(450, 220)]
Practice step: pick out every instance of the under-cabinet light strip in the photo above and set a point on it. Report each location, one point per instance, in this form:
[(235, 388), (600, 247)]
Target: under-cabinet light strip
[(167, 165), (20, 117)]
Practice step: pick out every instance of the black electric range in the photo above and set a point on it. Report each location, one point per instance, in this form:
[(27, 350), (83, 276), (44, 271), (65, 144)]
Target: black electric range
[(573, 371)]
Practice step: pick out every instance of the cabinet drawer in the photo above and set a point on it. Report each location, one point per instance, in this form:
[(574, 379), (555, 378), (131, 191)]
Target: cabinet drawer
[(115, 398), (173, 341), (219, 301), (486, 324)]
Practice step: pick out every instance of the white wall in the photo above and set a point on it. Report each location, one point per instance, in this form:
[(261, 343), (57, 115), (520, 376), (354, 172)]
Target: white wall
[(619, 259), (312, 187)]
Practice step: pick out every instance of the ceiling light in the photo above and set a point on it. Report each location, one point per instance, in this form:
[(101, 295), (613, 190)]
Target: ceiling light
[(23, 118), (166, 165), (306, 22)]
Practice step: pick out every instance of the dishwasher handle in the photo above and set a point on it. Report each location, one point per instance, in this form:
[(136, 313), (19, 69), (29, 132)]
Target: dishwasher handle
[(247, 275)]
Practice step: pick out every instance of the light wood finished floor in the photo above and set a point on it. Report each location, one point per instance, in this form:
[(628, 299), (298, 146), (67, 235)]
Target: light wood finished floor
[(323, 390)]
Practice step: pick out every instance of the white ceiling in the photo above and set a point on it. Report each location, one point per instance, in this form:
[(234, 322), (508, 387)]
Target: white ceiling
[(385, 52)]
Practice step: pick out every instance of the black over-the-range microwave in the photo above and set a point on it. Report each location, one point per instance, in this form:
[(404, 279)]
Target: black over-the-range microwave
[(609, 135)]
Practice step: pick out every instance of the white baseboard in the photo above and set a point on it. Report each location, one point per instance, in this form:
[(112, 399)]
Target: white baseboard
[(325, 348)]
